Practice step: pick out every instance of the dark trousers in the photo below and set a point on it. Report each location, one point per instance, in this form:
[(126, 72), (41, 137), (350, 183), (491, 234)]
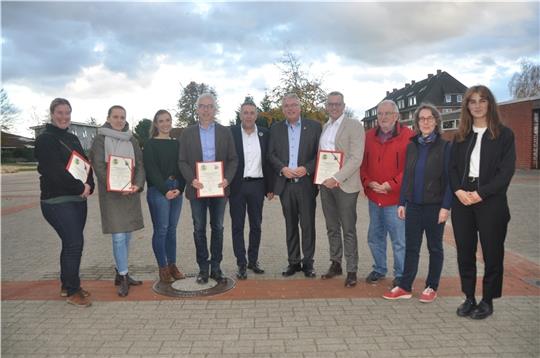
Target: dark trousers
[(489, 220), (420, 219), (68, 220), (250, 197), (298, 205), (216, 208)]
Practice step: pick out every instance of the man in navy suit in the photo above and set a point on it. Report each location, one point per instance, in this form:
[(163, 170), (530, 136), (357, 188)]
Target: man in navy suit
[(252, 181), (292, 152)]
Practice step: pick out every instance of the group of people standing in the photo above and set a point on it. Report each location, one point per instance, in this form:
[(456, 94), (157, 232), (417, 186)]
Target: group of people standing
[(412, 179)]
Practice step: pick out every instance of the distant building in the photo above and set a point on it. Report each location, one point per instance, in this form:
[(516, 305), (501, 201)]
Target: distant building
[(84, 131), (16, 148), (441, 90)]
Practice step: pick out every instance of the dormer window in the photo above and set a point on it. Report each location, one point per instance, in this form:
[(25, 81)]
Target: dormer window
[(412, 101), (448, 98)]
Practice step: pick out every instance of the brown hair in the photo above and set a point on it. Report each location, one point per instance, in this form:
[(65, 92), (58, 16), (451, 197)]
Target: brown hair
[(59, 102), (154, 131), (116, 106), (466, 120), (434, 112)]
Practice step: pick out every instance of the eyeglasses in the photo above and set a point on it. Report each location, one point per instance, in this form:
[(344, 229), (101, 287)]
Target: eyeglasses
[(426, 119), (387, 114), (335, 105), (291, 105), (206, 106)]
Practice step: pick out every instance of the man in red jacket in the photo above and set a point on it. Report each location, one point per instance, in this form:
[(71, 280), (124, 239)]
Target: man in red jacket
[(381, 174)]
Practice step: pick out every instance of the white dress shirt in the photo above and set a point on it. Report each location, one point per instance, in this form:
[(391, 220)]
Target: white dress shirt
[(474, 165), (252, 154), (328, 138)]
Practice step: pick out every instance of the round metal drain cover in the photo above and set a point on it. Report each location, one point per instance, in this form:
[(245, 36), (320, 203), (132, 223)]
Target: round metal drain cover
[(189, 287)]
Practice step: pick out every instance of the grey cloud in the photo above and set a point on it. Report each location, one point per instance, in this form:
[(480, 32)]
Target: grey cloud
[(51, 41)]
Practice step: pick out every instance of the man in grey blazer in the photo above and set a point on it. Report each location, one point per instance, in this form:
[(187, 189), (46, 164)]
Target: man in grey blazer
[(207, 141), (339, 193), (292, 151)]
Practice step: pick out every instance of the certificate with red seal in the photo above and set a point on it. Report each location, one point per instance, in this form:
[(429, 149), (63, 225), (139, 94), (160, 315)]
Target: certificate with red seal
[(329, 162), (78, 167), (210, 175), (119, 173)]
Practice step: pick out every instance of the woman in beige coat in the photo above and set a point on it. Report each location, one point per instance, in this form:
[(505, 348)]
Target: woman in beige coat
[(121, 212)]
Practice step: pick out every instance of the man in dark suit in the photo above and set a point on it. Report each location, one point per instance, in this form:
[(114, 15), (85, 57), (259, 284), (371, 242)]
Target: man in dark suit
[(292, 152), (248, 188), (207, 141)]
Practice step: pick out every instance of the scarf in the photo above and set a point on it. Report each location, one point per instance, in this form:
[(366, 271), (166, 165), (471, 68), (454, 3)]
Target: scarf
[(428, 139), (116, 142)]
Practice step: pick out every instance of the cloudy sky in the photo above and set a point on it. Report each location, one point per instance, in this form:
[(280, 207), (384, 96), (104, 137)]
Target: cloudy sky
[(138, 55)]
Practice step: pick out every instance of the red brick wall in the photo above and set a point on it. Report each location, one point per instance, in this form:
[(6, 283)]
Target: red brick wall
[(519, 117)]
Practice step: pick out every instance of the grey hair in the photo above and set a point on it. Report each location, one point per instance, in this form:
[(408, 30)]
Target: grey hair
[(389, 101), (207, 95), (290, 95), (434, 112)]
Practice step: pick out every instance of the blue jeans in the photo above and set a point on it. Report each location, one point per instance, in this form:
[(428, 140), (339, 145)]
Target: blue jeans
[(216, 207), (420, 218), (165, 214), (383, 221), (120, 242), (68, 220)]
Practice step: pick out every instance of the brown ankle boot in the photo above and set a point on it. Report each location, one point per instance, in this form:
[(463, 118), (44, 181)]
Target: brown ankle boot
[(165, 275), (175, 272)]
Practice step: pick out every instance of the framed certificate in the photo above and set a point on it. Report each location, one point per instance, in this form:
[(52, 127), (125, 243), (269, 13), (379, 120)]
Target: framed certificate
[(329, 162), (210, 174), (119, 173), (78, 167)]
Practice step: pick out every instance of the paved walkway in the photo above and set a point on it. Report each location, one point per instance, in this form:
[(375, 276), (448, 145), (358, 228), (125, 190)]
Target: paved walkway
[(264, 317)]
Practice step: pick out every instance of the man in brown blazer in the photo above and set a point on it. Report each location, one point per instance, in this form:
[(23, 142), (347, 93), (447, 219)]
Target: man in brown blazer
[(292, 150), (339, 193), (207, 141)]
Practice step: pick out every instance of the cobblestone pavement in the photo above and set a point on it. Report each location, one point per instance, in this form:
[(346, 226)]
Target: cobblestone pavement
[(313, 327)]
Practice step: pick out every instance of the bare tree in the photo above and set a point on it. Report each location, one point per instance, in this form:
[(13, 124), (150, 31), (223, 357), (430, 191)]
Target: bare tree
[(9, 112), (527, 82)]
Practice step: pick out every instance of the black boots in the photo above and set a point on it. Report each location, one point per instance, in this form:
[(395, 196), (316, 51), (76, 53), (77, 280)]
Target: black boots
[(131, 280), (123, 287)]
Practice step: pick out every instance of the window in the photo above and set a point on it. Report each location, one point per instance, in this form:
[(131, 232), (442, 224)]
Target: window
[(367, 114), (450, 124), (401, 103), (412, 101), (448, 98), (374, 111), (446, 110), (459, 98)]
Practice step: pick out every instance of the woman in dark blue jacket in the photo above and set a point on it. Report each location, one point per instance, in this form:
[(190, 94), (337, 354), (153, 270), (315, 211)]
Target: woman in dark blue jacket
[(63, 197), (424, 202), (481, 168)]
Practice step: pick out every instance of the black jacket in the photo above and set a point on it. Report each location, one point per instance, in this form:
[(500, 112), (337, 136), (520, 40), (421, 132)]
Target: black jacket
[(497, 162), (435, 178), (52, 153), (263, 135)]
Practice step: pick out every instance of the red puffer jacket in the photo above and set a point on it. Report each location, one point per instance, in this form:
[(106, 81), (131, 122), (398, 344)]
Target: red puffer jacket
[(385, 162)]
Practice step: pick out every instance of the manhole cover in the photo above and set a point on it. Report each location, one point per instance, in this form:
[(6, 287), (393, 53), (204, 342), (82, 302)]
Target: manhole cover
[(532, 281), (189, 287)]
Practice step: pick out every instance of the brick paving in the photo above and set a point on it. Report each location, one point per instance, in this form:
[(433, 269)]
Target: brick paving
[(267, 317)]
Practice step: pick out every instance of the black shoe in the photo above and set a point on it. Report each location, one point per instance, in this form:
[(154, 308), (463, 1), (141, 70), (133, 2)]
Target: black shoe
[(241, 274), (466, 307), (131, 280), (374, 277), (350, 281), (123, 287), (309, 272), (217, 276), (202, 277), (292, 269), (334, 270), (255, 268), (482, 310)]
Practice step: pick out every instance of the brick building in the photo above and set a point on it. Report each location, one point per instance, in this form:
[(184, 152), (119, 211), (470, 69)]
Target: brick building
[(441, 90)]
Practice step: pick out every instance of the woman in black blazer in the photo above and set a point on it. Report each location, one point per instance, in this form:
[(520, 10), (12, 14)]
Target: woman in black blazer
[(481, 167)]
